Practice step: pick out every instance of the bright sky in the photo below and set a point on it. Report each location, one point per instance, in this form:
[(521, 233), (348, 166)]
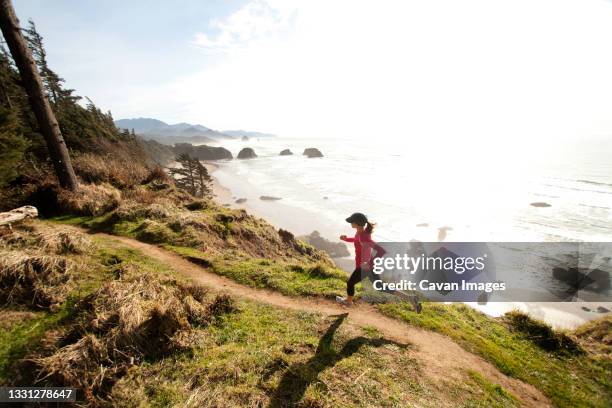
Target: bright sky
[(519, 69)]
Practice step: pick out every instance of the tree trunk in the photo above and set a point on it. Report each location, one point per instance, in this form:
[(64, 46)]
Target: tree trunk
[(32, 83)]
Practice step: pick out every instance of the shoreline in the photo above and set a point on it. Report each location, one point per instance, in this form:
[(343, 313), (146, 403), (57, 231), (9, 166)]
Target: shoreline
[(223, 195), (558, 314), (227, 189)]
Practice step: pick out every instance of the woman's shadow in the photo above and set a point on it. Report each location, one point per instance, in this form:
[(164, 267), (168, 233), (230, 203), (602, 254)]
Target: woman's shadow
[(299, 376)]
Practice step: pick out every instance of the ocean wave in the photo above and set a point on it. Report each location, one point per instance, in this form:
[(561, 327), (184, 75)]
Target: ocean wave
[(594, 206), (597, 183), (578, 189)]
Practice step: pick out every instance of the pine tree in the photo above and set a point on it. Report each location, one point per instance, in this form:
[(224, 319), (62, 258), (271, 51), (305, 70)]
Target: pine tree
[(12, 146), (52, 82), (39, 103), (192, 176)]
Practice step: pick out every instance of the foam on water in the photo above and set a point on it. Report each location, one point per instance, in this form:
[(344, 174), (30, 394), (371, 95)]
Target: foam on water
[(482, 197)]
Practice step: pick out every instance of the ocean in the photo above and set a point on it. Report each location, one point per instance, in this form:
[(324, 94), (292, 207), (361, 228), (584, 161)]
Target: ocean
[(413, 190)]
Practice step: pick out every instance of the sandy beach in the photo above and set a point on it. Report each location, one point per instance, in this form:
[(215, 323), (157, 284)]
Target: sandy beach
[(221, 194)]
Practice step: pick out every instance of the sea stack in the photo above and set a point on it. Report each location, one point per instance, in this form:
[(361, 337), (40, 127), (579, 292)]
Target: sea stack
[(247, 153), (312, 152), (286, 152), (202, 152)]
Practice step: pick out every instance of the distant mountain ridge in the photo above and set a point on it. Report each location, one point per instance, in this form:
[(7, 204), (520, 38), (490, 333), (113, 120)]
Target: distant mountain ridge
[(249, 134), (154, 129)]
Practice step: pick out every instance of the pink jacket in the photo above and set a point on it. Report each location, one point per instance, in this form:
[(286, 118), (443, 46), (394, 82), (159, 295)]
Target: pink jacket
[(363, 248)]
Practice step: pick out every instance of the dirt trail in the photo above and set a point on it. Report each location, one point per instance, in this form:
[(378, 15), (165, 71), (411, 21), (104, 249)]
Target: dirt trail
[(441, 358)]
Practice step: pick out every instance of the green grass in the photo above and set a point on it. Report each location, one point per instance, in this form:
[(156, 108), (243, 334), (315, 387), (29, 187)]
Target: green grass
[(569, 380), (19, 338), (490, 394), (262, 356), (113, 254), (289, 278), (72, 219)]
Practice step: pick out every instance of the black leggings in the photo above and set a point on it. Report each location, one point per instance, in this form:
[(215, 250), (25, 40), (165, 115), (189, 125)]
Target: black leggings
[(357, 276)]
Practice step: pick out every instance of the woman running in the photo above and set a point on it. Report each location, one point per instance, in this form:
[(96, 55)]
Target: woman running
[(363, 254), (364, 260)]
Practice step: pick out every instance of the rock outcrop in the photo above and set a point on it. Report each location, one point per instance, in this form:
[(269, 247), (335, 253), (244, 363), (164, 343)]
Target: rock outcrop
[(286, 152), (203, 152), (333, 249), (312, 152), (247, 153)]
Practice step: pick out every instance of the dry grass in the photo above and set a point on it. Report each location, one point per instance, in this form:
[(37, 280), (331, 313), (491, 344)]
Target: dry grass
[(37, 281), (64, 242), (58, 240), (124, 323), (121, 172), (140, 195), (34, 269), (89, 199), (596, 335), (130, 211), (158, 176)]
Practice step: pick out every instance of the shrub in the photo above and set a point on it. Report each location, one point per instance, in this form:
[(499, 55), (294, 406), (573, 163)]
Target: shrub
[(197, 205), (158, 176), (542, 334)]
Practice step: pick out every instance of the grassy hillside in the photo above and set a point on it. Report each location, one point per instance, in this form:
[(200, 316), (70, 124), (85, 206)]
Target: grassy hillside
[(236, 245), (127, 330), (231, 242), (557, 363)]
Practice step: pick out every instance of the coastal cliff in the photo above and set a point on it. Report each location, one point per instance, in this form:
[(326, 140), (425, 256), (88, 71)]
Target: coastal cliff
[(137, 292), (117, 258)]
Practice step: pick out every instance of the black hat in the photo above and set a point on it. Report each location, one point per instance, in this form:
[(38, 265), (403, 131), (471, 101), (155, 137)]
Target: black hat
[(357, 218)]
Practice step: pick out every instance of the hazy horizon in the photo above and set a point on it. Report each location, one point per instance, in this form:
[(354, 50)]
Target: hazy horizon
[(475, 70)]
